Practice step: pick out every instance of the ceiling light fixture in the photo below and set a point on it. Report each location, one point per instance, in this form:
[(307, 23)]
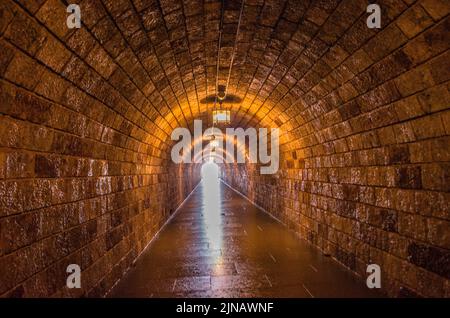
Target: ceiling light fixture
[(221, 115)]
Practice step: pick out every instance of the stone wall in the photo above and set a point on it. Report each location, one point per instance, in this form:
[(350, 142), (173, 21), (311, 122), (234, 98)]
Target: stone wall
[(368, 180), (84, 172), (86, 115)]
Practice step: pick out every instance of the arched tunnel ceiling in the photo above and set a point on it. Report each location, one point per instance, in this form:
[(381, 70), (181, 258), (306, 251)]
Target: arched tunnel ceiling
[(86, 117), (291, 68), (171, 52), (168, 51)]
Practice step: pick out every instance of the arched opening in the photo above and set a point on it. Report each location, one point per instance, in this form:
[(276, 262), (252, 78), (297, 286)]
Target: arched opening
[(212, 204), (210, 172)]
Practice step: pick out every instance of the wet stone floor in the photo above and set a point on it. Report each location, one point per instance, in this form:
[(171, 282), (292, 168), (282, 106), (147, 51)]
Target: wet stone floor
[(220, 245)]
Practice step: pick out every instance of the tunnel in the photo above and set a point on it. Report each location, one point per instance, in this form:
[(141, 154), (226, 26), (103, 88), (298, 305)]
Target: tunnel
[(355, 92)]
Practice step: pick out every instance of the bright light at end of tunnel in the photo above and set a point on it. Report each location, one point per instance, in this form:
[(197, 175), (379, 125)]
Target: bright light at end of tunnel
[(212, 205), (210, 172)]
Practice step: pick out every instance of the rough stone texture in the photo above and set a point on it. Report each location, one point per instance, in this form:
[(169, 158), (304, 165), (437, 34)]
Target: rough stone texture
[(85, 175), (365, 153), (86, 117)]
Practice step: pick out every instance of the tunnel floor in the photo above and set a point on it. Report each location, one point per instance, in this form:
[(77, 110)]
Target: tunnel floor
[(220, 245)]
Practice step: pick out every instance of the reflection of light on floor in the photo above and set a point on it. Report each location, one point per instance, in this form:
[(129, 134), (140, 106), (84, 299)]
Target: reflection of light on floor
[(212, 208)]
